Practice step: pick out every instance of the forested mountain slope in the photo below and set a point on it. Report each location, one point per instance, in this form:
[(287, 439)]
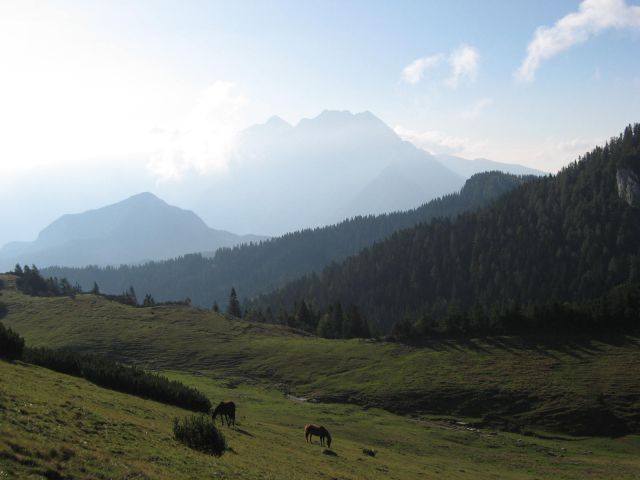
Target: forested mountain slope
[(572, 236), (258, 268)]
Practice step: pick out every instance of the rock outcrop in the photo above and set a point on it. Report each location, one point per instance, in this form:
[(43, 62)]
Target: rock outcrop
[(628, 186)]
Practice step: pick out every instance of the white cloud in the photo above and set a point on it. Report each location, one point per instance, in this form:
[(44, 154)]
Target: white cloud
[(464, 64), (476, 109), (414, 72), (592, 17), (203, 141)]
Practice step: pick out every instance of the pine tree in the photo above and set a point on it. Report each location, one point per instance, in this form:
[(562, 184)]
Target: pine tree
[(132, 295), (95, 290), (233, 308), (304, 317), (215, 307), (148, 301)]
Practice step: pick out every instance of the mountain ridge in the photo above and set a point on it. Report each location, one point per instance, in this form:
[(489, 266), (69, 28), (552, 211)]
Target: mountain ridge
[(138, 228)]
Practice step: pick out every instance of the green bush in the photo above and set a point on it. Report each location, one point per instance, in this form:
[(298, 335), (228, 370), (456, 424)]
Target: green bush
[(200, 433), (11, 344)]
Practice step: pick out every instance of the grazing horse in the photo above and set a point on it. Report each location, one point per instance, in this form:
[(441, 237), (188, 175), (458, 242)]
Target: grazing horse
[(225, 410), (319, 431)]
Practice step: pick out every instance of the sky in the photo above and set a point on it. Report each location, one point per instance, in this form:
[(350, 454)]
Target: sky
[(89, 89)]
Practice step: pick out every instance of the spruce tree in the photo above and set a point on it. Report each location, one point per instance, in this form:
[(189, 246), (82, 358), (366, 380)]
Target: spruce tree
[(233, 308)]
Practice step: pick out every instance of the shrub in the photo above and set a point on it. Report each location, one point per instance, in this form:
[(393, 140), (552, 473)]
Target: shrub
[(11, 344), (116, 376), (200, 433), (4, 310)]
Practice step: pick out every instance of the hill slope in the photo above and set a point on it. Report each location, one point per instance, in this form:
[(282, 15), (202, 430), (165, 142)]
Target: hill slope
[(142, 227), (54, 426), (573, 384), (255, 269), (569, 237)]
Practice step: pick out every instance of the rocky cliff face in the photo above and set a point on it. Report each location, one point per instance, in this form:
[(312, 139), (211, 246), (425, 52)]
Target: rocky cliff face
[(628, 186)]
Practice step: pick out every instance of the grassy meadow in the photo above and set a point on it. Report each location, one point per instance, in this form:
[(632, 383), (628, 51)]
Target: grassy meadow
[(56, 426), (553, 384), (383, 396)]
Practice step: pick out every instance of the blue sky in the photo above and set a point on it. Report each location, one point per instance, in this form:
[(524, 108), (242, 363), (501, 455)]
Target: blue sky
[(89, 86), (113, 71)]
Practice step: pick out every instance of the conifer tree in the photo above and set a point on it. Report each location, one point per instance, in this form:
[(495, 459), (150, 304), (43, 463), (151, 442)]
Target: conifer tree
[(233, 308)]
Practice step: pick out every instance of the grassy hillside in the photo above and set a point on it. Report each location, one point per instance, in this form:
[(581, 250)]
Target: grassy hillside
[(54, 426), (581, 386)]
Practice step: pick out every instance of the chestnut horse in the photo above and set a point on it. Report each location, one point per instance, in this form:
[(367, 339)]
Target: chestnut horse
[(319, 431), (225, 410)]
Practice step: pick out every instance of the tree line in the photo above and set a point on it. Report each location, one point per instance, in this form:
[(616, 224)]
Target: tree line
[(30, 281)]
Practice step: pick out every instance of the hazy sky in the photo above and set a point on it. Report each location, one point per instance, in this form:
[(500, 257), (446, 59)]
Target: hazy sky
[(166, 84)]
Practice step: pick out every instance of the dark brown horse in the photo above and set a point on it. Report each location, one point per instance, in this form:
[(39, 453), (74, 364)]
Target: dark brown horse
[(319, 431), (225, 410)]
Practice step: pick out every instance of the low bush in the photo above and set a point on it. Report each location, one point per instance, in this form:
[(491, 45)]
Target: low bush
[(116, 376), (200, 433)]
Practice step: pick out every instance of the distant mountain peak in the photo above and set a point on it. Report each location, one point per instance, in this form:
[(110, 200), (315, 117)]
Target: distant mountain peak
[(277, 122), (144, 196)]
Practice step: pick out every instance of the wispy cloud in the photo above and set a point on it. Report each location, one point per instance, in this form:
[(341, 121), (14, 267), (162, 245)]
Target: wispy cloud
[(414, 72), (464, 65), (592, 17), (463, 62), (476, 109), (204, 140), (436, 142)]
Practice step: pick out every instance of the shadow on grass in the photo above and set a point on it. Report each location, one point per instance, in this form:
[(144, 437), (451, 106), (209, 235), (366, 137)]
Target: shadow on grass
[(575, 345)]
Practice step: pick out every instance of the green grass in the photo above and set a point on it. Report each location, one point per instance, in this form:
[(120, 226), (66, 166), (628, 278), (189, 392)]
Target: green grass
[(57, 426), (561, 384)]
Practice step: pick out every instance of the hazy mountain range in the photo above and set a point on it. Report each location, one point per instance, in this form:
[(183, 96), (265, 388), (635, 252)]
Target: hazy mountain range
[(260, 268), (466, 168), (140, 228), (280, 178), (337, 165)]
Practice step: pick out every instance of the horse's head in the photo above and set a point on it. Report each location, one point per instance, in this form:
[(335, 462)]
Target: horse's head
[(328, 437), (216, 411)]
